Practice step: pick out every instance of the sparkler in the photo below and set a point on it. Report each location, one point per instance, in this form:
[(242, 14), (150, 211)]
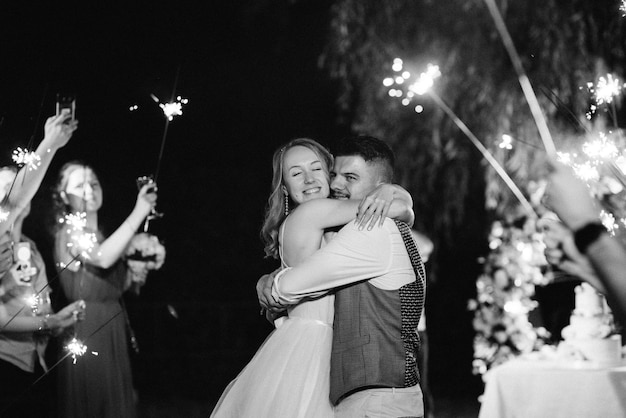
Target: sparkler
[(75, 348), (424, 85), (622, 8), (535, 109), (23, 157), (170, 109)]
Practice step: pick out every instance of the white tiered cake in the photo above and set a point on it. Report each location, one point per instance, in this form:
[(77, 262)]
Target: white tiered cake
[(590, 329)]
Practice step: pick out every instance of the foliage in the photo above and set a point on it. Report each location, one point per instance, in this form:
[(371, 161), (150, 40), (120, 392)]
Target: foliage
[(505, 293)]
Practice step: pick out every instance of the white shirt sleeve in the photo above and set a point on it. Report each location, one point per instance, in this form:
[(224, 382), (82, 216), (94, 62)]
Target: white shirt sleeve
[(352, 256)]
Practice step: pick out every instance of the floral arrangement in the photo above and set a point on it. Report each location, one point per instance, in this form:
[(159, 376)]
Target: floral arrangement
[(144, 253), (504, 295)]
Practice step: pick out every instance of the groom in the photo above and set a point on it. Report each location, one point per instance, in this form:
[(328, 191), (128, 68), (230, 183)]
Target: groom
[(378, 277)]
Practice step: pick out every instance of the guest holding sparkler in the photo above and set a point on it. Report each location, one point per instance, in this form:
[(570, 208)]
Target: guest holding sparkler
[(99, 383), (26, 321), (58, 130), (582, 245)]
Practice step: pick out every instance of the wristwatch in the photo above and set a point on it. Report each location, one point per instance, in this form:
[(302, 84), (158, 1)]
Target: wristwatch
[(587, 234)]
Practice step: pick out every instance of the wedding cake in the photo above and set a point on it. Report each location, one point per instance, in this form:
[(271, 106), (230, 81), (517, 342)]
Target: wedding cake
[(590, 332)]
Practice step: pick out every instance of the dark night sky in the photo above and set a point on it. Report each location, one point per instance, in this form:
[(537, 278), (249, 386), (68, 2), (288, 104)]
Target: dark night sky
[(249, 70)]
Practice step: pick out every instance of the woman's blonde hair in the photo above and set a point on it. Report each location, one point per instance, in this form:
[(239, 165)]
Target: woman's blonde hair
[(275, 212)]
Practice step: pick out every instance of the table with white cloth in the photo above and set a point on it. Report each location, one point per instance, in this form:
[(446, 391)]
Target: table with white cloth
[(549, 388)]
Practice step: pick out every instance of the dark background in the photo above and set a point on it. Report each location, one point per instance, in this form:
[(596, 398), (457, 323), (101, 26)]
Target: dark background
[(250, 71)]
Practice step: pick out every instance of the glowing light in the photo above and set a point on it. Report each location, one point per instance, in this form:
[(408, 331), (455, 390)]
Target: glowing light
[(622, 8), (406, 75), (426, 80), (33, 301), (171, 109), (84, 242), (23, 157), (419, 109), (76, 221), (133, 108), (76, 348), (406, 101), (388, 82), (507, 142), (608, 220), (602, 148), (515, 307), (606, 89), (564, 157), (4, 215), (397, 65), (586, 171)]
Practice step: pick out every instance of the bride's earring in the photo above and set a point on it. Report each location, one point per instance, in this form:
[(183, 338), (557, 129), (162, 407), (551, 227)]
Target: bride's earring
[(286, 205)]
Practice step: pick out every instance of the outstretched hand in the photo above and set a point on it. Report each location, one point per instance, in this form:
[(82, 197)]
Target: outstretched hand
[(561, 252), (68, 316), (375, 206), (59, 129), (146, 199), (569, 197)]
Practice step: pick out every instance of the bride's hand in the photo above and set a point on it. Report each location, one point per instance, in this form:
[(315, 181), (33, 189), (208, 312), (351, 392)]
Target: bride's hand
[(375, 206)]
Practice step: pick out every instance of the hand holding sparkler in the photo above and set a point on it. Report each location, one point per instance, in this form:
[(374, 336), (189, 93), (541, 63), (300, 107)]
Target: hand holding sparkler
[(59, 129), (146, 200), (569, 197), (562, 253), (147, 183), (66, 317)]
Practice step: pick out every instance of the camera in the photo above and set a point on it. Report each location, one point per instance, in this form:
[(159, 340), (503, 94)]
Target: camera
[(66, 102), (23, 271)]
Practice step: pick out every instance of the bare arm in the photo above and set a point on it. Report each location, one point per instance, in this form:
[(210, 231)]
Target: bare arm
[(111, 249), (571, 201), (53, 322), (27, 182)]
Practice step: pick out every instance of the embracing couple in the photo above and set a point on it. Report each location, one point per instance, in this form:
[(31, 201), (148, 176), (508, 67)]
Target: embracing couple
[(348, 344)]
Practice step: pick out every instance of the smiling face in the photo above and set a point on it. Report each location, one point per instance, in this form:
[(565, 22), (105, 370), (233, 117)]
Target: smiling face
[(83, 191), (305, 176), (353, 178)]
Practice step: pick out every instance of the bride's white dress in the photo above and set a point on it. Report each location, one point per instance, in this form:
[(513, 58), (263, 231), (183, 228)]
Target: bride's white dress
[(289, 376)]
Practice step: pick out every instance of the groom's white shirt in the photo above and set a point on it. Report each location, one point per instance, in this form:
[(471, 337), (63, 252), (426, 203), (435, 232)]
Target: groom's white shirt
[(352, 256)]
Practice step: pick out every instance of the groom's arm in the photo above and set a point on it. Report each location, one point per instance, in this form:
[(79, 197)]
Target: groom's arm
[(352, 256)]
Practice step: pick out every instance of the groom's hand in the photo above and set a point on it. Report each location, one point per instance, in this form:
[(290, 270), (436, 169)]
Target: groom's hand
[(264, 293)]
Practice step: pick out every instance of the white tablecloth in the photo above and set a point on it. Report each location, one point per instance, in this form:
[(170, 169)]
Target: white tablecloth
[(541, 388)]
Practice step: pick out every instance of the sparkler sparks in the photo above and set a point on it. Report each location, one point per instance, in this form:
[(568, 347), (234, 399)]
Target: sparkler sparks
[(4, 215), (608, 220), (171, 109), (601, 148), (76, 348), (75, 221), (622, 8), (426, 80), (23, 157), (84, 242), (33, 301), (605, 90)]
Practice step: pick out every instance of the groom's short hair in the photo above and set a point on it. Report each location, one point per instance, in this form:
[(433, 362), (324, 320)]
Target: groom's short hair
[(372, 150)]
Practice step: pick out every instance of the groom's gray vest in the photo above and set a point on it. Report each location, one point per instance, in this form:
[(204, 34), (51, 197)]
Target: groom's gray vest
[(375, 340)]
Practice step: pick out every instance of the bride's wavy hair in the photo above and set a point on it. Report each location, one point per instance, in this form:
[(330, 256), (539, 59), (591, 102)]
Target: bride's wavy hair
[(275, 210)]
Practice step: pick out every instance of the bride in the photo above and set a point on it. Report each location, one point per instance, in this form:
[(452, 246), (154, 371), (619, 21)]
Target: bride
[(289, 374)]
